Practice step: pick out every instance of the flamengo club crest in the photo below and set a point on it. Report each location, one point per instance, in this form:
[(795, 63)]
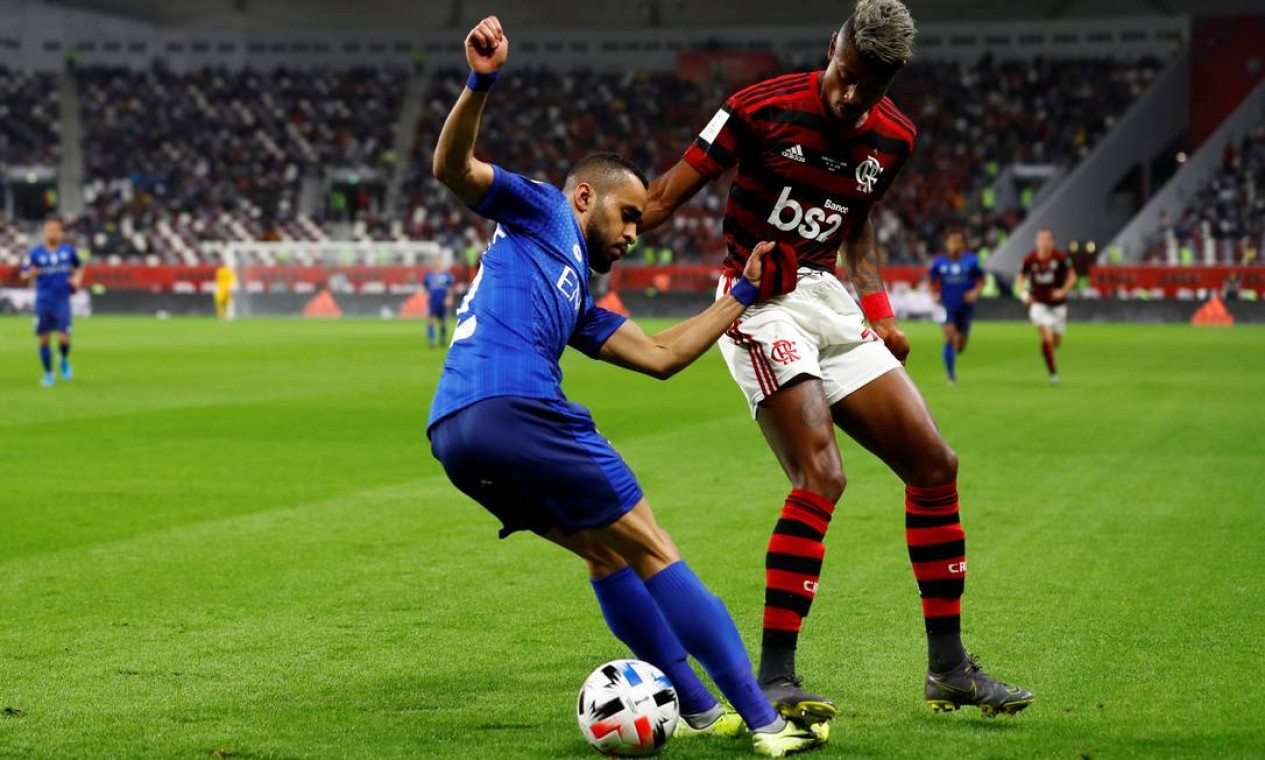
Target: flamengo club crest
[(783, 351), (867, 174)]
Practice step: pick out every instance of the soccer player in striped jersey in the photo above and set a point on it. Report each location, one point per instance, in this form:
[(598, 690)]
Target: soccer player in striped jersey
[(1045, 279), (814, 153), (509, 439)]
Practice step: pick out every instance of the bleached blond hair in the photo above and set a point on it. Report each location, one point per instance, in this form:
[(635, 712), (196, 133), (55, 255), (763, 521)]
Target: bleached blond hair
[(883, 31)]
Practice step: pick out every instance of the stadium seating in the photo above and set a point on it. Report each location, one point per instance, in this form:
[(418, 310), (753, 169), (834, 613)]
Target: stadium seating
[(218, 155), (28, 119), (179, 162), (1224, 222)]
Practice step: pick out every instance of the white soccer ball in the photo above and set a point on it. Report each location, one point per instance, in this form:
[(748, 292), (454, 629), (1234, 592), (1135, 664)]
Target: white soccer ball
[(627, 708)]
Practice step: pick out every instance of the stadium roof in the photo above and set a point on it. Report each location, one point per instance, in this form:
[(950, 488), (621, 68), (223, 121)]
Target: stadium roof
[(441, 14)]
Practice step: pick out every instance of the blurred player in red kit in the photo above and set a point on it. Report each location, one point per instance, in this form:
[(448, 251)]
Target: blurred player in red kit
[(814, 153), (1045, 280)]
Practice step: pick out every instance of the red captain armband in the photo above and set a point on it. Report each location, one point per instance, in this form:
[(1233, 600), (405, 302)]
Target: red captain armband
[(876, 307)]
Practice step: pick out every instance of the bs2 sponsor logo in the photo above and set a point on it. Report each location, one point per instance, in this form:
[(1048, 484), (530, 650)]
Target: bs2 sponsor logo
[(812, 223)]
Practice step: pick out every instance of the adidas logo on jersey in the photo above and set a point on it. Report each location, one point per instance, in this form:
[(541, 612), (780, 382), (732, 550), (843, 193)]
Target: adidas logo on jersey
[(794, 153)]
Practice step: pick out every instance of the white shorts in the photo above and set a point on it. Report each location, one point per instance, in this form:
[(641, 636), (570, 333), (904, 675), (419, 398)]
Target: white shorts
[(816, 329), (1045, 315)]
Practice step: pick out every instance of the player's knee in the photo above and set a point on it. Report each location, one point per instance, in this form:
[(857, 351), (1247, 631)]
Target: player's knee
[(937, 468), (826, 479)]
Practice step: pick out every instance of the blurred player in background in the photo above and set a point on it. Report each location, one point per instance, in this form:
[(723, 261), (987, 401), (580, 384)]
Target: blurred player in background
[(225, 283), (438, 283), (815, 152), (1044, 282), (58, 274), (509, 439), (956, 277)]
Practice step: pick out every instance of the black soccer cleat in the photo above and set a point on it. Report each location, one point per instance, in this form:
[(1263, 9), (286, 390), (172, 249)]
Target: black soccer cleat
[(968, 684), (788, 697)]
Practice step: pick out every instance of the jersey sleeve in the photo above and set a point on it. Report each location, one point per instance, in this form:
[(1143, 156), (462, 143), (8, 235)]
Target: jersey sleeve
[(977, 271), (933, 273), (516, 201), (75, 261), (721, 142), (28, 261), (594, 329)]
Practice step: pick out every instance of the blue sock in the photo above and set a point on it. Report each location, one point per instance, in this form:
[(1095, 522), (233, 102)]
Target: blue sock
[(701, 622), (46, 356), (950, 360), (631, 613), (430, 333)]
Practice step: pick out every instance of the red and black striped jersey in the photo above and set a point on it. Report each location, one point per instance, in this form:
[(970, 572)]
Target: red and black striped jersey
[(1046, 276), (802, 180)]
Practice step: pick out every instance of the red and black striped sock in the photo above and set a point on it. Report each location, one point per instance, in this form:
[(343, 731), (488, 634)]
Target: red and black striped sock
[(1047, 350), (937, 549), (792, 569)]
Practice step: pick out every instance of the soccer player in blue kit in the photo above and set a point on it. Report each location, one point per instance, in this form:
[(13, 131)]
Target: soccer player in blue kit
[(58, 273), (438, 283), (957, 276), (508, 437)]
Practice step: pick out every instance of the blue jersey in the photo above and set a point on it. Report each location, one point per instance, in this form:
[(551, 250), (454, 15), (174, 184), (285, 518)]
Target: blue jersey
[(529, 301), (52, 284), (437, 285), (955, 277)]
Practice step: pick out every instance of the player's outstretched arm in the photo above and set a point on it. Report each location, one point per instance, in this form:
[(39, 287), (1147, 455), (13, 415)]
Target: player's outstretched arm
[(860, 255), (674, 349), (667, 192), (487, 49)]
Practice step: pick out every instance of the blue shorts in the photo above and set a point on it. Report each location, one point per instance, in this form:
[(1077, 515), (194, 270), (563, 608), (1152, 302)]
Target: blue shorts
[(960, 317), (437, 308), (536, 464), (54, 318)]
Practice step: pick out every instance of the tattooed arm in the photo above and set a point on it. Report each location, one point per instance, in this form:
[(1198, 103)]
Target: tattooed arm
[(860, 255)]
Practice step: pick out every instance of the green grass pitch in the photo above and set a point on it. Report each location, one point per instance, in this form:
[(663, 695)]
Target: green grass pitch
[(230, 540)]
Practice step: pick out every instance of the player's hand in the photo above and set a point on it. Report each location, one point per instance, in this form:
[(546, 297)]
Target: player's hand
[(755, 263), (1026, 298), (487, 47), (893, 337), (1060, 294), (971, 296)]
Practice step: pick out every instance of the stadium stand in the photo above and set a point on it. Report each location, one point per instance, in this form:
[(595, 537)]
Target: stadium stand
[(28, 119), (214, 155), (218, 155), (1224, 222)]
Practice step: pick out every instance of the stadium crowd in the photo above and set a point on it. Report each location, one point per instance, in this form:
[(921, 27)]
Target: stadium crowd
[(177, 159), (1225, 221), (29, 114), (173, 159)]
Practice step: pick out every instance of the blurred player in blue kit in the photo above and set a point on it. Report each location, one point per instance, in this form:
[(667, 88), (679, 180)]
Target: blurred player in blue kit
[(438, 283), (58, 273), (957, 278), (508, 437)]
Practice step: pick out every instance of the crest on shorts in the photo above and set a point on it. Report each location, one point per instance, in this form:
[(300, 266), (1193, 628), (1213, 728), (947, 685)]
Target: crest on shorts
[(867, 173), (783, 351)]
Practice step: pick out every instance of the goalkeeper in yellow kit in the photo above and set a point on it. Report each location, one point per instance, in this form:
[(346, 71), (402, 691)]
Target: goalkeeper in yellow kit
[(225, 284)]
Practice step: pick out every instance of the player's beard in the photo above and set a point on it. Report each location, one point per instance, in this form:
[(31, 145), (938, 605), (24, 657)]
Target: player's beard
[(600, 260)]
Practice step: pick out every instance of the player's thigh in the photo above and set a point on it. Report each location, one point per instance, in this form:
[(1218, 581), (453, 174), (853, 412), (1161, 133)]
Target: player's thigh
[(639, 539), (1059, 320), (600, 558), (796, 424), (889, 417)]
